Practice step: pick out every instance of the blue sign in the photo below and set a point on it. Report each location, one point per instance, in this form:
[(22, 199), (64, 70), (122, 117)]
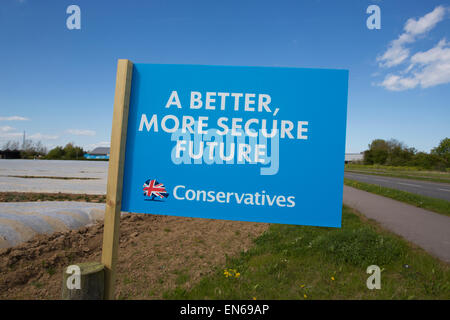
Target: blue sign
[(255, 144)]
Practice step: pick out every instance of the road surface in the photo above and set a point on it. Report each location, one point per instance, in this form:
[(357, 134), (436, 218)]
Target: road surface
[(427, 229), (425, 188)]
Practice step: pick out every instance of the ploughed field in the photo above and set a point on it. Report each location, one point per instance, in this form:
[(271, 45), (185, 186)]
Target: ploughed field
[(42, 200), (156, 254)]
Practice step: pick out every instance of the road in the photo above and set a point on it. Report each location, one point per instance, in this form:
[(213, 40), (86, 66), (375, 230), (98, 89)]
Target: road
[(427, 229), (425, 188)]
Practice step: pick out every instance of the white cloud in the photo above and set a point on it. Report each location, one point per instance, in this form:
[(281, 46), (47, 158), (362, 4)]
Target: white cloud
[(425, 23), (396, 52), (81, 132), (6, 128), (10, 134), (428, 68), (424, 69), (13, 118), (440, 52), (40, 136), (397, 83)]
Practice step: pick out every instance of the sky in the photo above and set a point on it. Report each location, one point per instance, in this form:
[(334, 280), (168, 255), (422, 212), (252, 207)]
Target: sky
[(57, 84)]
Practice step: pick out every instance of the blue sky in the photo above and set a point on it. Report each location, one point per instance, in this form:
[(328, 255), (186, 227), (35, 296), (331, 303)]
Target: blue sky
[(58, 84)]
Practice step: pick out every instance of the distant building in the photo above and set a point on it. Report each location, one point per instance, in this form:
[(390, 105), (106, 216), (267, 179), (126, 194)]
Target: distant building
[(354, 157), (98, 153)]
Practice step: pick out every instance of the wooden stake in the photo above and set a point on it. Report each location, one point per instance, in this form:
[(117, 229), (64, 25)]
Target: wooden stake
[(92, 283), (115, 174)]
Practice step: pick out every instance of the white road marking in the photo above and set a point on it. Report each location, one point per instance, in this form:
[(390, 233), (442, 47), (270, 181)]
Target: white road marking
[(381, 180), (448, 190), (409, 184)]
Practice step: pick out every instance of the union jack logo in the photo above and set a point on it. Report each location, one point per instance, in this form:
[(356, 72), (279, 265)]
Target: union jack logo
[(153, 188)]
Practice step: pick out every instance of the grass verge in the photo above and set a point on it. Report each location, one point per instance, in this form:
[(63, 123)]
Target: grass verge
[(412, 173), (432, 204), (303, 262)]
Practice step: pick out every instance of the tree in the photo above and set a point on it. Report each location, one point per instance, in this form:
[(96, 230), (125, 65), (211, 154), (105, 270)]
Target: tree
[(69, 152), (31, 149), (443, 151), (399, 154), (377, 153), (72, 152), (56, 153), (396, 153), (428, 161), (11, 145)]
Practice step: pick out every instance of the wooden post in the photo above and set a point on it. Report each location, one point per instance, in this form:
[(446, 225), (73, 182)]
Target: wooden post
[(115, 174), (91, 279)]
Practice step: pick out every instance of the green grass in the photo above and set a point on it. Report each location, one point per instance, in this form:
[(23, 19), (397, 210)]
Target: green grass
[(413, 173), (182, 278), (432, 204), (395, 168), (300, 262)]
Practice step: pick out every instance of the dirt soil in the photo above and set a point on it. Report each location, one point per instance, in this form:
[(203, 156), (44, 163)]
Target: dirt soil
[(11, 196), (156, 253)]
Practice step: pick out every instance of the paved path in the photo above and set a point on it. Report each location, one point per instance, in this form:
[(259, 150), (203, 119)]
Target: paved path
[(427, 229), (425, 188)]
